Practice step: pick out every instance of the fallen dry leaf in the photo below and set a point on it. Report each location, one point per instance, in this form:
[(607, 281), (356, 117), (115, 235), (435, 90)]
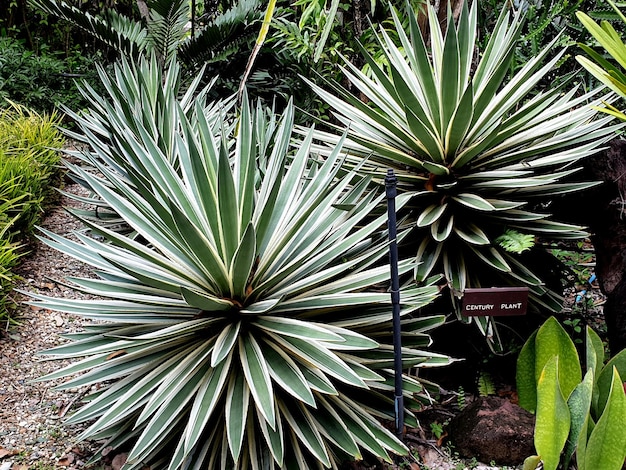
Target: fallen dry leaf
[(6, 452), (19, 467), (65, 461)]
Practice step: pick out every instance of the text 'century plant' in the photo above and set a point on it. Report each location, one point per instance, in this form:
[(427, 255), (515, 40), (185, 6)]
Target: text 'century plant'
[(239, 327)]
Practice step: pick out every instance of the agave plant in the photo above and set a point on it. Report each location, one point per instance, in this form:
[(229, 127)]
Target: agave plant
[(134, 91), (246, 326), (478, 149)]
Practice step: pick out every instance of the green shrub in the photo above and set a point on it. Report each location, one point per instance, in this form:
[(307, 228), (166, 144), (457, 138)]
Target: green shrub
[(29, 168), (41, 81), (27, 143), (10, 207)]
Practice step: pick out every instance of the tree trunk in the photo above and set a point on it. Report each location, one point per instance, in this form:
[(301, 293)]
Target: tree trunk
[(607, 221), (144, 11), (603, 210)]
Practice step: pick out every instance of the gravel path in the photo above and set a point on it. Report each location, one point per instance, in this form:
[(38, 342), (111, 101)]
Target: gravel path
[(31, 413)]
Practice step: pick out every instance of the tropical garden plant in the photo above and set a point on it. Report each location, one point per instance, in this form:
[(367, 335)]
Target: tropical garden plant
[(478, 152), (247, 325), (131, 92), (607, 72), (576, 416), (221, 43), (29, 170)]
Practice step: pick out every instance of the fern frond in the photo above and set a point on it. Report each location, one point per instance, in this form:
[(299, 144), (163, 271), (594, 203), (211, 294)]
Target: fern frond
[(515, 242), (485, 384)]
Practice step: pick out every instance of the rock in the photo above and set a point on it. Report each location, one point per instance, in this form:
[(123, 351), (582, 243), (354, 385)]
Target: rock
[(493, 429)]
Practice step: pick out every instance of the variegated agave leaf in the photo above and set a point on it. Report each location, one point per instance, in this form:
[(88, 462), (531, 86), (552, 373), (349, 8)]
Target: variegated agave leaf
[(241, 328), (136, 88), (476, 146)]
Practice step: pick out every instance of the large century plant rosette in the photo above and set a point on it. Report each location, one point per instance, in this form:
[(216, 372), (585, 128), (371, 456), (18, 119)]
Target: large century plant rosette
[(480, 150), (240, 327)]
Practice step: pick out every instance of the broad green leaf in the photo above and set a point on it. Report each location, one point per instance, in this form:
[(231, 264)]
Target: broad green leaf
[(606, 379), (552, 340), (552, 425), (532, 462), (594, 352), (525, 376), (579, 403), (606, 448), (581, 448)]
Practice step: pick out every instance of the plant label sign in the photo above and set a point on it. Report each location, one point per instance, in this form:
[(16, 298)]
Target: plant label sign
[(495, 301)]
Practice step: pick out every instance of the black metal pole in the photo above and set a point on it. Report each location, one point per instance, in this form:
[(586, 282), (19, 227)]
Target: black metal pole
[(390, 187)]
